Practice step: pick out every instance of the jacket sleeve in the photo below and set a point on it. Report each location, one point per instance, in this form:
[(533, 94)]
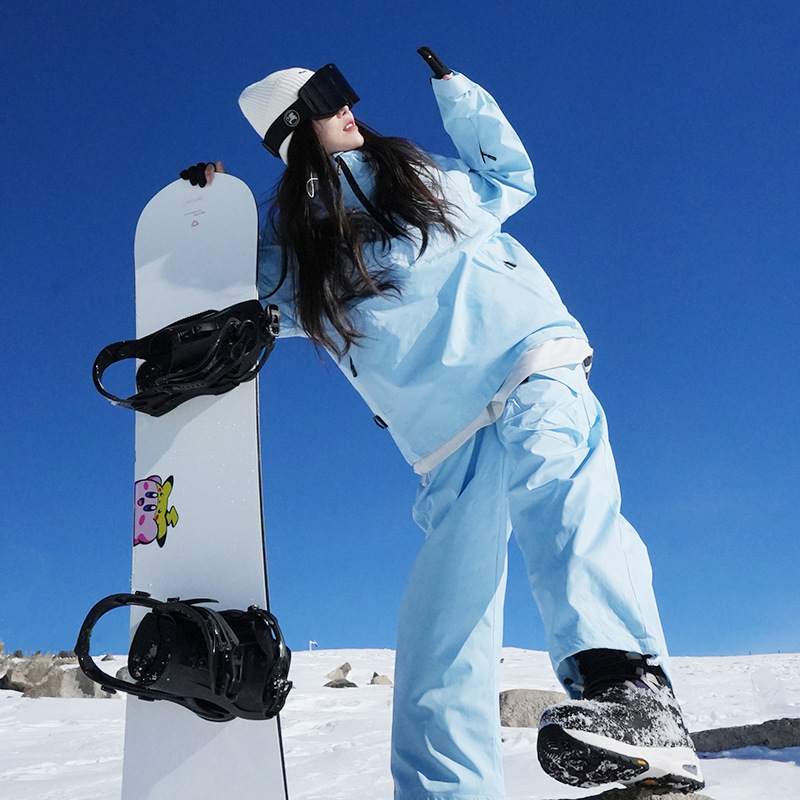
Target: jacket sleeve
[(500, 170), (270, 288)]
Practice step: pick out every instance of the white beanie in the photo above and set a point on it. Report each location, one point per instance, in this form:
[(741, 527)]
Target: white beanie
[(263, 102)]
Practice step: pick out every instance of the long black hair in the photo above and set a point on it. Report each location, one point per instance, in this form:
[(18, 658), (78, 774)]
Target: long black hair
[(322, 241)]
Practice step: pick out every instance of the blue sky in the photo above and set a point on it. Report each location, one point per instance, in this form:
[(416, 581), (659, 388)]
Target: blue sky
[(665, 142)]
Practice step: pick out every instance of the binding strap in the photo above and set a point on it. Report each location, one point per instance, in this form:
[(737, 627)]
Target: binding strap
[(207, 353), (218, 664)]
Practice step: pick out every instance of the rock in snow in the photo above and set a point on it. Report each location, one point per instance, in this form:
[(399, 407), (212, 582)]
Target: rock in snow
[(340, 673), (522, 708), (47, 676), (775, 734), (338, 678)]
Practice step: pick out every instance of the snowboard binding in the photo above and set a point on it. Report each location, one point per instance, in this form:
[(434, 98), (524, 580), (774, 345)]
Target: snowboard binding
[(207, 353), (218, 664)]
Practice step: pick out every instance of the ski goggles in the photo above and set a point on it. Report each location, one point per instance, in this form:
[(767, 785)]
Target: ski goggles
[(321, 96)]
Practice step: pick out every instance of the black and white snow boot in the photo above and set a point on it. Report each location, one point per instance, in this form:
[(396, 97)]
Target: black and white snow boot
[(628, 728)]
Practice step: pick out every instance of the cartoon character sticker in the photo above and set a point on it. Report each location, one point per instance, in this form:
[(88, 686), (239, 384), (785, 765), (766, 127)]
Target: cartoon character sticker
[(151, 510)]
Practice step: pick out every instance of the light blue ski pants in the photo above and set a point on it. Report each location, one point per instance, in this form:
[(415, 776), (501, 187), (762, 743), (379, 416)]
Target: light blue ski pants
[(545, 470)]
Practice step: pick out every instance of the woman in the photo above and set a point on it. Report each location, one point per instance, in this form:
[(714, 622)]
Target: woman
[(394, 262)]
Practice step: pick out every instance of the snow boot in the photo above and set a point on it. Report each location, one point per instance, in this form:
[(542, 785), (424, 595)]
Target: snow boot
[(628, 728)]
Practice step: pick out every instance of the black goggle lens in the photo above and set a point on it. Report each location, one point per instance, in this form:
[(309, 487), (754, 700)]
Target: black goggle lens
[(327, 91)]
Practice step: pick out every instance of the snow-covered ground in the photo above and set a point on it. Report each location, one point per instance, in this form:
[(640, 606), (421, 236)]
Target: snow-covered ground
[(337, 740)]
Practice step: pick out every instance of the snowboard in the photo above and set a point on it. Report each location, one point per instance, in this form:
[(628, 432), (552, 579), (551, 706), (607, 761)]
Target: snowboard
[(197, 501)]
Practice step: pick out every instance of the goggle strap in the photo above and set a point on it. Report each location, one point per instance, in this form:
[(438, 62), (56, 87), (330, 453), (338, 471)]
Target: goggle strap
[(285, 125)]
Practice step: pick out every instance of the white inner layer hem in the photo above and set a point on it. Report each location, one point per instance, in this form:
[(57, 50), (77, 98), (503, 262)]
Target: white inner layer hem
[(679, 761), (547, 355)]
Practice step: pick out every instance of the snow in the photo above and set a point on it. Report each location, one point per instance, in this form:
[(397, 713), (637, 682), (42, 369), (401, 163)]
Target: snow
[(337, 740)]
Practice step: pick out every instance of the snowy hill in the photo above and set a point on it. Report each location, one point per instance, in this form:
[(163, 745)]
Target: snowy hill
[(337, 740)]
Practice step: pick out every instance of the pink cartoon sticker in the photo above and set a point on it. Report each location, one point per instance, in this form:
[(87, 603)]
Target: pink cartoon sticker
[(151, 510)]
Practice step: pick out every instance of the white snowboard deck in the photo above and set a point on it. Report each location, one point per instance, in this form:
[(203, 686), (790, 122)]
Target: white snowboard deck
[(196, 250)]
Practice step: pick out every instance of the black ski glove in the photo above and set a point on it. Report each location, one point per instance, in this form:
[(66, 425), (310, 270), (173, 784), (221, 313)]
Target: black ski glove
[(196, 175), (433, 61)]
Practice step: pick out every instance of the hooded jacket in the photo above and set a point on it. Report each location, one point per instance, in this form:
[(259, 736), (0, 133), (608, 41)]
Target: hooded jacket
[(475, 316)]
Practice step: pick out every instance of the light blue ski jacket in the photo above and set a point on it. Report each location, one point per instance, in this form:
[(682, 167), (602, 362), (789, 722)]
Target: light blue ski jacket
[(476, 316)]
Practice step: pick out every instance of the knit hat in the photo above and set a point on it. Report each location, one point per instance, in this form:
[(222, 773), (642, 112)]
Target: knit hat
[(264, 101)]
